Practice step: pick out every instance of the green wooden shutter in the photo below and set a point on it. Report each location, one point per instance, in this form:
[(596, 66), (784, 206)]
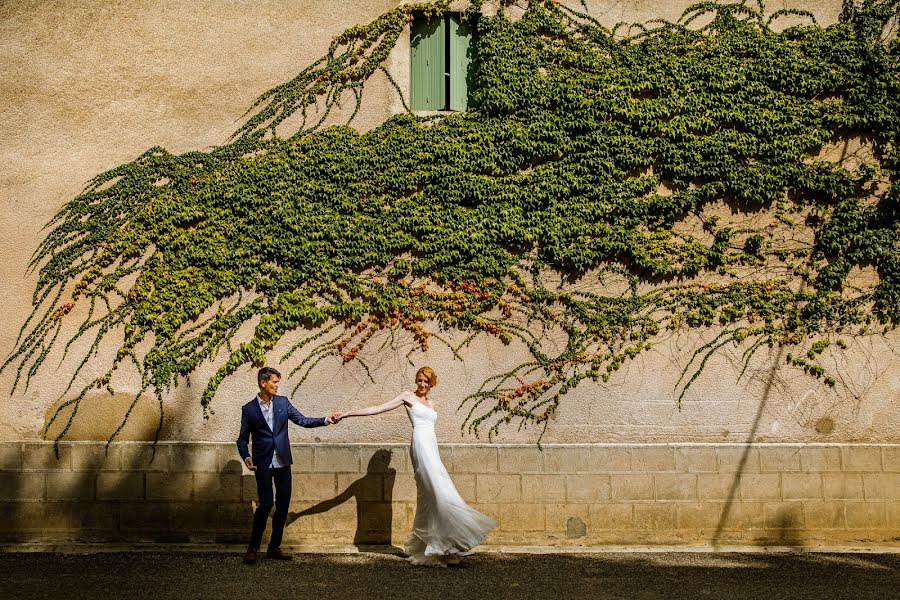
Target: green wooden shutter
[(427, 71), (461, 50)]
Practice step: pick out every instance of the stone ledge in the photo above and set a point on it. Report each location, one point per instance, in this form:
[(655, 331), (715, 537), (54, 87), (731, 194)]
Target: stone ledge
[(565, 495)]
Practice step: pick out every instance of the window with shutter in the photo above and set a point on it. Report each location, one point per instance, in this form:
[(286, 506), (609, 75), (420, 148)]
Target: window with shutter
[(441, 63)]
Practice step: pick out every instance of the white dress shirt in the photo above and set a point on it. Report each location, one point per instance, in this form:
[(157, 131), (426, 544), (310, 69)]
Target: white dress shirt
[(267, 412)]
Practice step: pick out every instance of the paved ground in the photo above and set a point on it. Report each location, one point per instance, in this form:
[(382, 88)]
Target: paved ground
[(190, 575)]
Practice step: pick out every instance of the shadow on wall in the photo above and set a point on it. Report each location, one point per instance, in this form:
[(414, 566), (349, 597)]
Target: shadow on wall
[(128, 491), (374, 494), (786, 520)]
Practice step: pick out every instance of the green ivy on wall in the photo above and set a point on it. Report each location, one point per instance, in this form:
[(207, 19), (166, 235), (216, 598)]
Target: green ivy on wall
[(585, 151)]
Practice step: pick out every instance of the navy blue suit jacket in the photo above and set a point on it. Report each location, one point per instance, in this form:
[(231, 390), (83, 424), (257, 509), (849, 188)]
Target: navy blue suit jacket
[(266, 441)]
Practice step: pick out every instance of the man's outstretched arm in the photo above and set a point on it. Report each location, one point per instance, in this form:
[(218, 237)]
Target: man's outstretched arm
[(297, 417)]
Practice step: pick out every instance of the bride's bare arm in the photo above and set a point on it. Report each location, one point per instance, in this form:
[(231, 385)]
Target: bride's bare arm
[(377, 410)]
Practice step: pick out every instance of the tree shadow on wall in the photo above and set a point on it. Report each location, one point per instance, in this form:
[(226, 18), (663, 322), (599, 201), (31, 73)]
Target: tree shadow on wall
[(373, 493)]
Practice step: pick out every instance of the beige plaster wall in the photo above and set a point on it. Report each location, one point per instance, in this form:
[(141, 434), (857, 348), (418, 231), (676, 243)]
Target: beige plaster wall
[(88, 85)]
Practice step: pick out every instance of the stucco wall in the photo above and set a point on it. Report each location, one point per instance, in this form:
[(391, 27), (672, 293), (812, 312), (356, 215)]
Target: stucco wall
[(89, 85)]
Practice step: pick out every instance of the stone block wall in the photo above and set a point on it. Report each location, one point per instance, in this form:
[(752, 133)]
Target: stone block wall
[(564, 495)]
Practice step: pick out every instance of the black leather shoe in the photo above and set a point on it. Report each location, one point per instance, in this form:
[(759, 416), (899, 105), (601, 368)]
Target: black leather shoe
[(250, 556), (277, 554)]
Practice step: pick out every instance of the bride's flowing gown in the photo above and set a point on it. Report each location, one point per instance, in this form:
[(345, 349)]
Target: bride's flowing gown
[(444, 525)]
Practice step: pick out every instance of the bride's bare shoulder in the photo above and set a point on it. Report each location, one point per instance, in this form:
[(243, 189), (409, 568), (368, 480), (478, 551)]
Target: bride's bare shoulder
[(407, 397)]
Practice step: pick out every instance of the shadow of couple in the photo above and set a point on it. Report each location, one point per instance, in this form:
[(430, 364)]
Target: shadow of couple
[(373, 493)]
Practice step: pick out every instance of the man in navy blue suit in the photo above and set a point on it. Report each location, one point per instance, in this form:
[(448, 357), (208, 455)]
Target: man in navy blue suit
[(265, 419)]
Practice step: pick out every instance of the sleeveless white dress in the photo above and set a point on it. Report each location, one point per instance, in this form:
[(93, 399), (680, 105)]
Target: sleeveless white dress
[(444, 525)]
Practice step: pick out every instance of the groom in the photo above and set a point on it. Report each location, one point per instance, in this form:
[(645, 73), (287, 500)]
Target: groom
[(265, 420)]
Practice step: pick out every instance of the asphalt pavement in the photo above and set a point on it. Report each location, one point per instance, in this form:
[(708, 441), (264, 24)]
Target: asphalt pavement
[(491, 575)]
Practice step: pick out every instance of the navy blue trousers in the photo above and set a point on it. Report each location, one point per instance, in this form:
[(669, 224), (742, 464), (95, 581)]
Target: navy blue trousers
[(281, 477)]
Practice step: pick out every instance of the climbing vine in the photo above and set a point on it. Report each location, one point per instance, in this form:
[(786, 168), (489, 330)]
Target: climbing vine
[(587, 153)]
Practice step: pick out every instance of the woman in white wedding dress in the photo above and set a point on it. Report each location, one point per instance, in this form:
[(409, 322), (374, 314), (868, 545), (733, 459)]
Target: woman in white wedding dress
[(445, 527)]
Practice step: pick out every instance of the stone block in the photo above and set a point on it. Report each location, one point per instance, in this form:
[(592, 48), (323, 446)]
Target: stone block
[(586, 459), (336, 459), (786, 518), (779, 458), (638, 486), (303, 458), (301, 515), (40, 456), (44, 517), (521, 459), (823, 514), (120, 486), (837, 486), (98, 517), (152, 517), (194, 457), (11, 456), (315, 486), (585, 488), (169, 486), (70, 486), (234, 517), (228, 460), (339, 518), (385, 459), (193, 516), (700, 516), (611, 516), (760, 486), (696, 459), (675, 486), (655, 516), (820, 458), (217, 487), (96, 457), (22, 486), (796, 486), (611, 459), (404, 513), (473, 459), (374, 523), (652, 459), (522, 517), (890, 457), (567, 519), (892, 514), (404, 489), (714, 486), (865, 515), (743, 515), (738, 459), (402, 461), (498, 488), (881, 486), (248, 488), (467, 485), (491, 509), (140, 456), (861, 458), (365, 488), (544, 488)]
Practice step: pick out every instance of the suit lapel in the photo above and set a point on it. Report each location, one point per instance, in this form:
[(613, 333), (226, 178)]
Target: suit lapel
[(277, 412), (262, 417)]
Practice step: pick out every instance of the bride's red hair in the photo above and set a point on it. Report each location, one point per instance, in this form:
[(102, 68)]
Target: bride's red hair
[(429, 373)]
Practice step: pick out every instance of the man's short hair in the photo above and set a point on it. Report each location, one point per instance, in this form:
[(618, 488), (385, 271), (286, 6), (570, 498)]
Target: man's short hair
[(266, 373)]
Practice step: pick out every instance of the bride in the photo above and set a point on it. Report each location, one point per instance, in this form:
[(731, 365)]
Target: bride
[(445, 527)]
